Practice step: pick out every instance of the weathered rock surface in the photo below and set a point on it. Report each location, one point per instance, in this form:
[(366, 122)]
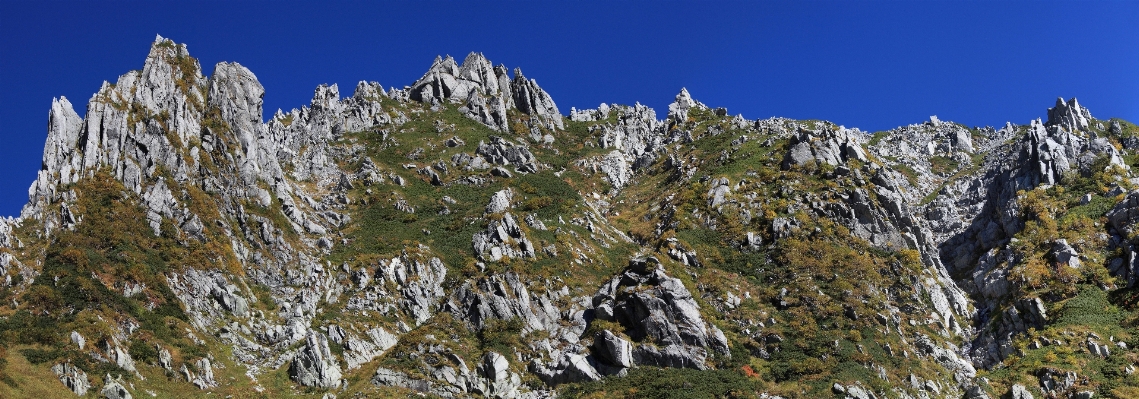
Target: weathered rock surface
[(72, 377), (114, 388), (274, 199), (314, 365), (826, 147), (1018, 391), (655, 307), (503, 238), (487, 92)]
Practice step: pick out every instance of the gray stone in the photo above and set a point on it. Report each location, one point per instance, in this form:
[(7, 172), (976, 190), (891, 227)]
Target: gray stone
[(1069, 115), (204, 379), (1065, 254), (1018, 391), (500, 201), (613, 349), (114, 388), (497, 381), (165, 360), (78, 340), (72, 377), (314, 365)]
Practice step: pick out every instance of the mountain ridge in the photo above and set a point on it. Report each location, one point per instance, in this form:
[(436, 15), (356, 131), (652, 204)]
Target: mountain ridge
[(376, 244)]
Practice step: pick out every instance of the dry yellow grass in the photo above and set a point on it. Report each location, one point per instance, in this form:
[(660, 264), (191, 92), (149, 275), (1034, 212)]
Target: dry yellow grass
[(31, 381)]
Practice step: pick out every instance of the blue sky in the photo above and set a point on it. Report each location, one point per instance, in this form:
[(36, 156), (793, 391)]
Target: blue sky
[(872, 65)]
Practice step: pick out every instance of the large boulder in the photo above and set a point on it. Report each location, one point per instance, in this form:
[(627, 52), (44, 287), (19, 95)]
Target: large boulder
[(613, 349), (315, 366), (656, 308), (828, 146), (114, 388), (72, 377), (496, 380)]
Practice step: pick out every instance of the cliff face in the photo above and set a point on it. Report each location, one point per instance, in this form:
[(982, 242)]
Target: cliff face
[(461, 237)]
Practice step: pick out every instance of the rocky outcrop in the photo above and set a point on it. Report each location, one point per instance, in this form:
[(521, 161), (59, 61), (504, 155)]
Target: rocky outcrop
[(358, 351), (656, 308), (946, 357), (1122, 219), (1069, 115), (503, 238), (637, 138), (613, 350), (678, 110), (409, 287), (114, 388), (130, 127), (500, 151), (314, 365), (979, 213), (506, 297), (486, 92), (497, 380), (532, 100), (831, 147), (1018, 391), (204, 377), (72, 377), (119, 356)]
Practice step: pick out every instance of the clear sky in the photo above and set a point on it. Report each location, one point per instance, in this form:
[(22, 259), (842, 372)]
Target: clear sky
[(872, 65)]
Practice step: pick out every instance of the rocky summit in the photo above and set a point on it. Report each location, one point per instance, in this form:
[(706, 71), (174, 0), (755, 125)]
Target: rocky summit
[(461, 237)]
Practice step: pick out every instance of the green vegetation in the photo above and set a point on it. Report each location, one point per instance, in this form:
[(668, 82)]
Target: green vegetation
[(942, 165), (658, 383)]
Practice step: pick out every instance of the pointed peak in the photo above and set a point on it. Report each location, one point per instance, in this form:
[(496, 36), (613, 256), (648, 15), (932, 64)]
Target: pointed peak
[(518, 73), (366, 89), (475, 57), (1069, 115), (164, 43), (678, 110)]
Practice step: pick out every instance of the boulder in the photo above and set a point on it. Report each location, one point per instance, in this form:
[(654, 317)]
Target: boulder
[(314, 365), (502, 152), (613, 349), (496, 379), (1065, 254), (1018, 391), (654, 307), (114, 388), (204, 379), (72, 377), (500, 201)]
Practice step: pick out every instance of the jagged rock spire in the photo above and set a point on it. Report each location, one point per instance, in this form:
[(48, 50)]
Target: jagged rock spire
[(532, 100), (487, 91), (678, 110), (1070, 115)]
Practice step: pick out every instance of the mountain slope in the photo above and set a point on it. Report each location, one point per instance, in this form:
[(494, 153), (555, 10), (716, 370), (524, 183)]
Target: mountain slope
[(460, 237)]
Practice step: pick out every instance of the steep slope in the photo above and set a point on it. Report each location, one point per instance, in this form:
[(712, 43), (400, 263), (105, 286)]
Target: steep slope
[(459, 237)]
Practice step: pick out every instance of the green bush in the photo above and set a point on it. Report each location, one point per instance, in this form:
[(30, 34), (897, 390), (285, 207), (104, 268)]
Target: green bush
[(669, 383)]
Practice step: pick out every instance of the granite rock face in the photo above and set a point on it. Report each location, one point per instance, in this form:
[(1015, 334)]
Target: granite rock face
[(655, 308), (114, 388), (290, 271), (1069, 115), (315, 365), (487, 92), (830, 147), (72, 377)]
